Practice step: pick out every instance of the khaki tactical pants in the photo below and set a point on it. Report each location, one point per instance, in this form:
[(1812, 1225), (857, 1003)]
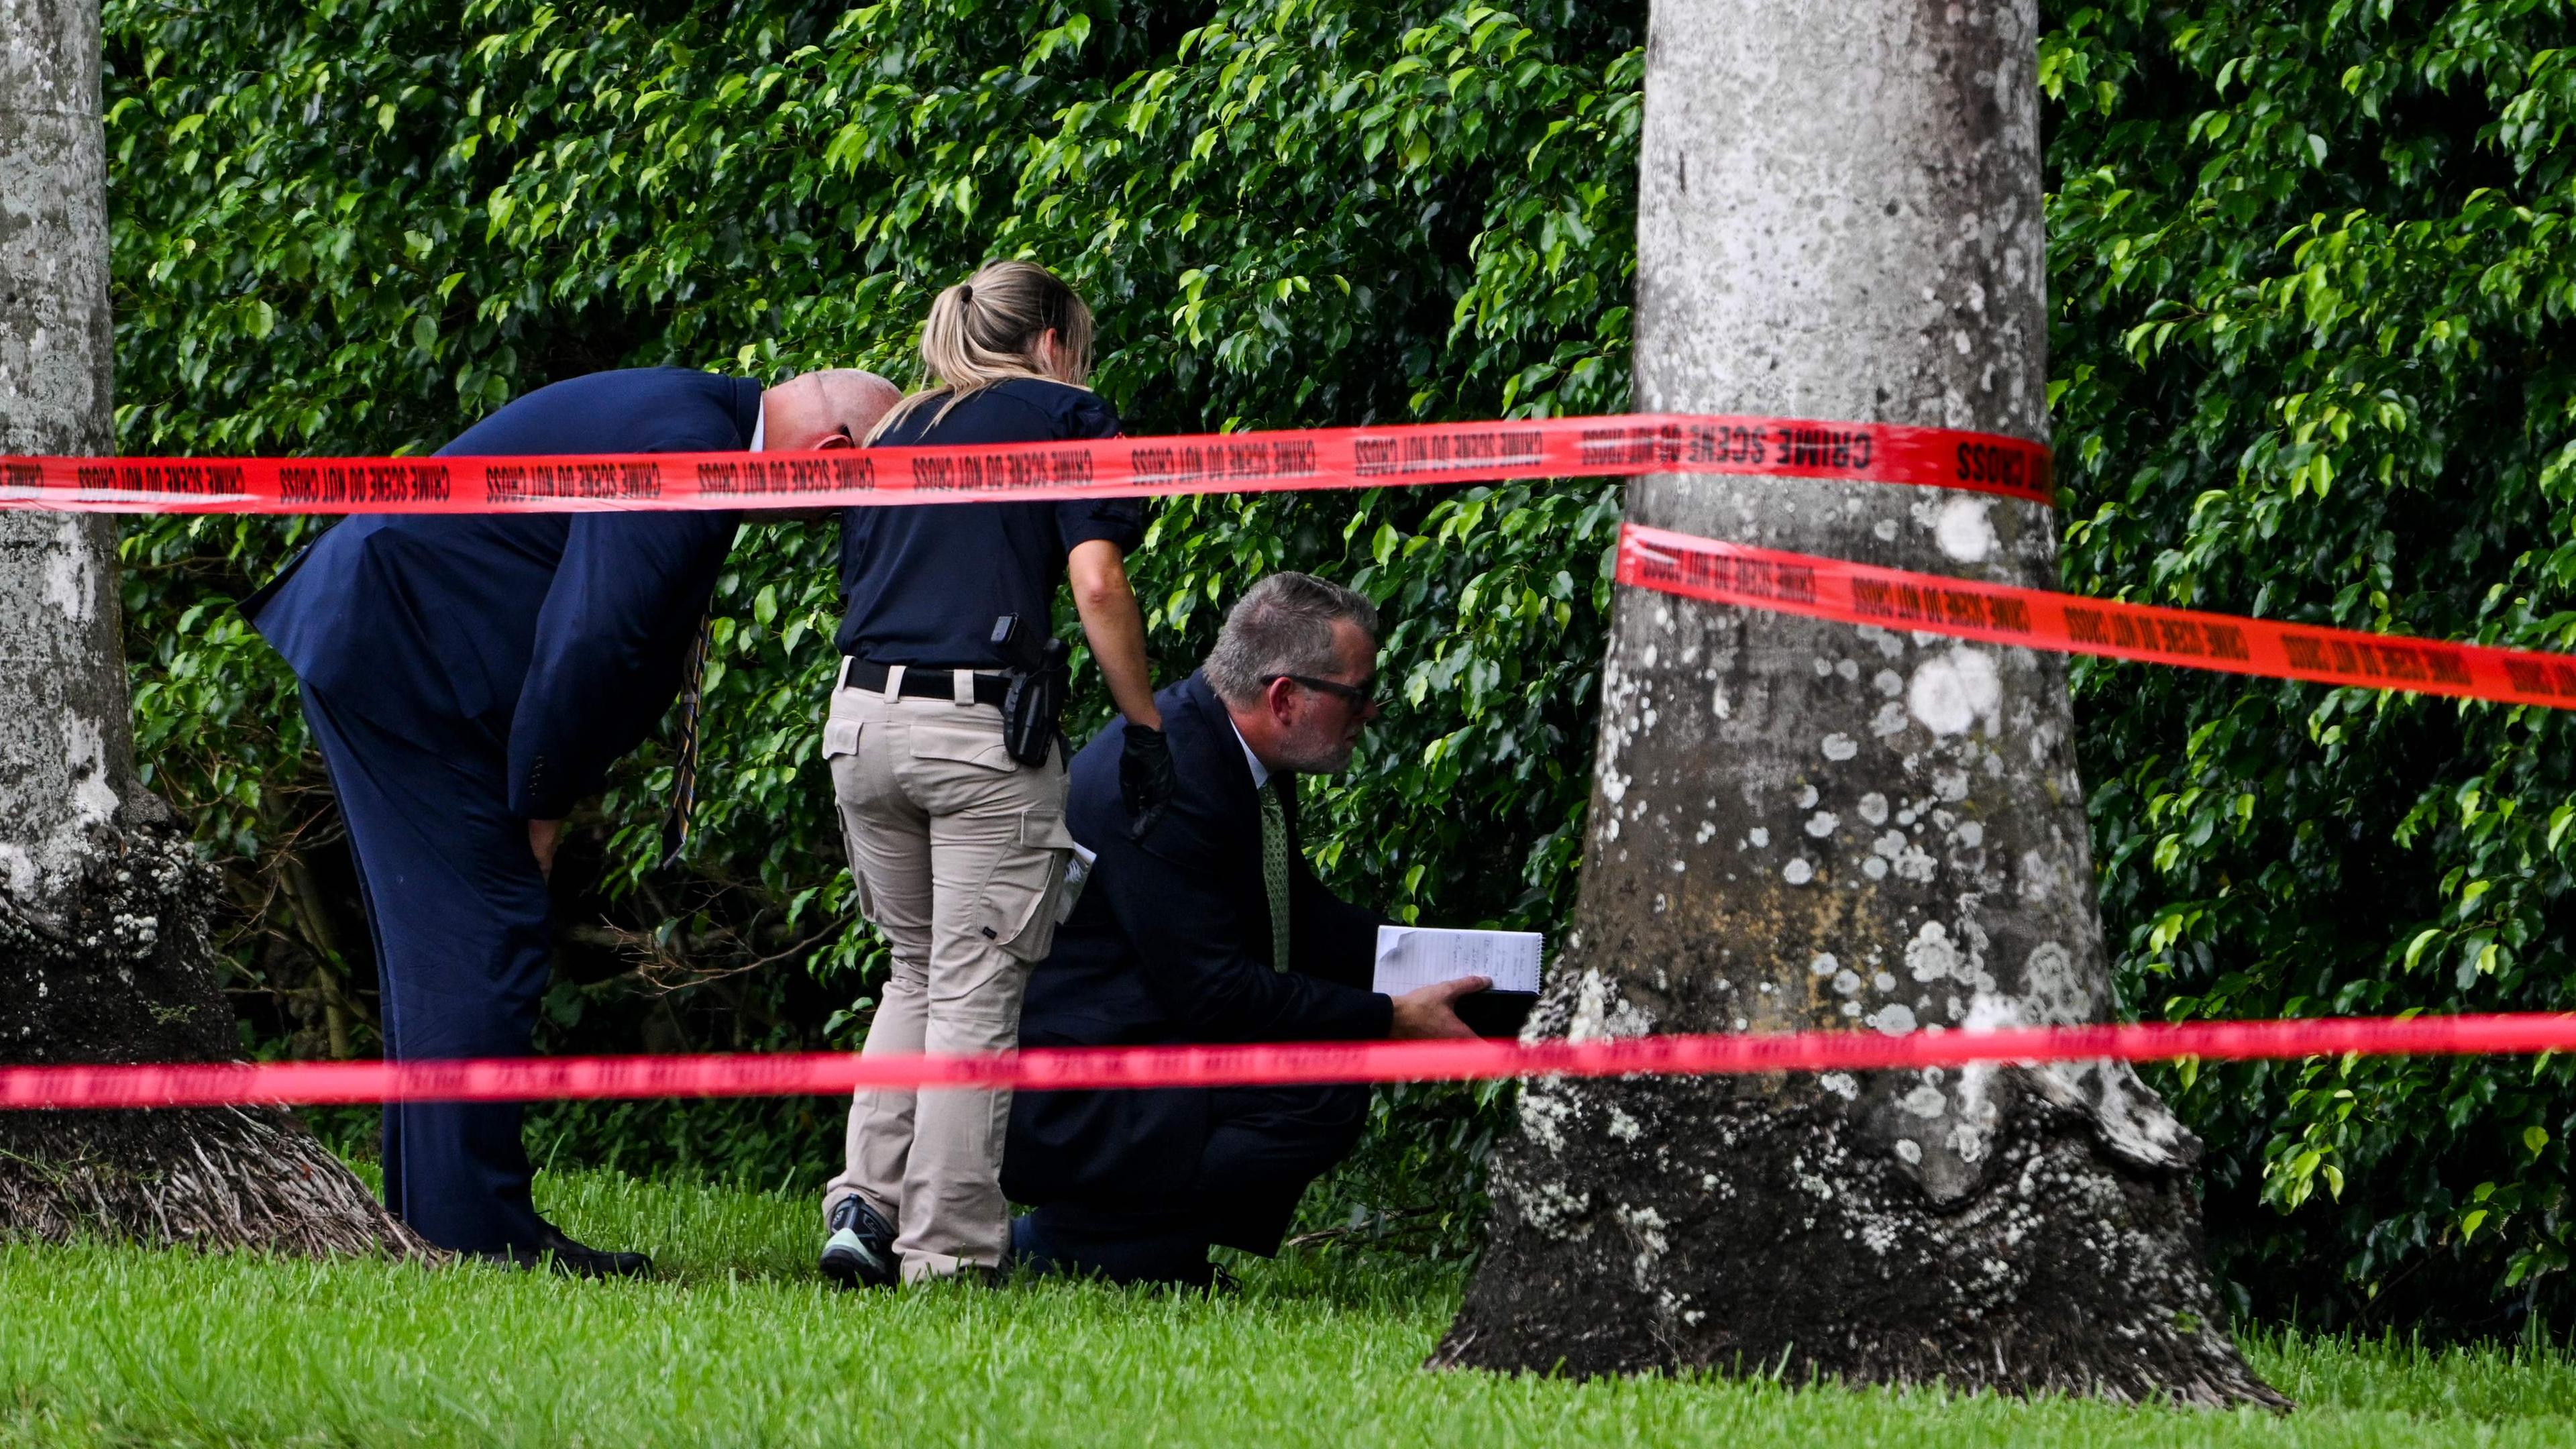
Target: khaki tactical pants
[(959, 853)]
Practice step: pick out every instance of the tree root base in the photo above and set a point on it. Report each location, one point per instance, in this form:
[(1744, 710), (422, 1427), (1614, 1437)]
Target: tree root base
[(119, 967), (214, 1178), (1719, 1231)]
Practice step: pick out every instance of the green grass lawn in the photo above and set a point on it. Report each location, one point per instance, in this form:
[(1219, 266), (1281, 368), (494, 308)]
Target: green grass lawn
[(738, 1343)]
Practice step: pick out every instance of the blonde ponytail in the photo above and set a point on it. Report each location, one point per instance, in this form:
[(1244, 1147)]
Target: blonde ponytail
[(989, 328)]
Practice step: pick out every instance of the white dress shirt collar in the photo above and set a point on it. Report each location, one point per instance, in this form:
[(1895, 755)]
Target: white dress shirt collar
[(760, 425), (1260, 771)]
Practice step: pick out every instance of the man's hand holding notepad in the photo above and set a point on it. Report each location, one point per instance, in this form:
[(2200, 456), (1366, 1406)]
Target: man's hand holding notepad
[(1412, 957)]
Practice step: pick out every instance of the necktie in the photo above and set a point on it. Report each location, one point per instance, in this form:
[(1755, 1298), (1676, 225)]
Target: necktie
[(1274, 871), (684, 773)]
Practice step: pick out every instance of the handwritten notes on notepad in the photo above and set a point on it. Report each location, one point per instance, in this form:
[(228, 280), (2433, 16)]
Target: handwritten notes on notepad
[(1412, 957)]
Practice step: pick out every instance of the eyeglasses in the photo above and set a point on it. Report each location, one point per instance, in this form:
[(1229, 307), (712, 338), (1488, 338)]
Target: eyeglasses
[(1357, 696)]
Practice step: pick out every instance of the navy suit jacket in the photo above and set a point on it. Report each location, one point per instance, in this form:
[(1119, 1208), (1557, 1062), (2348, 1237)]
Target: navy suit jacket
[(559, 637), (1170, 943)]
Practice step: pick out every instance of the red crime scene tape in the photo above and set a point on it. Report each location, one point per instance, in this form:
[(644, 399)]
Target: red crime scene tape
[(1673, 563), (1795, 583), (1404, 454), (1057, 1069)]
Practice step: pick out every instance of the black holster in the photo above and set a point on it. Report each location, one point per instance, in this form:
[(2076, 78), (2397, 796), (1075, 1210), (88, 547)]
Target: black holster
[(1033, 703)]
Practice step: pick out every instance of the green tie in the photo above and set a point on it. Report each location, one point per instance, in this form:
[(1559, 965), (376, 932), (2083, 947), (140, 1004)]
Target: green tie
[(1274, 871)]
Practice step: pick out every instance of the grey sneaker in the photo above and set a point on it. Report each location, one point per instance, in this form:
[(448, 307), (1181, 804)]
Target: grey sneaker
[(860, 1252)]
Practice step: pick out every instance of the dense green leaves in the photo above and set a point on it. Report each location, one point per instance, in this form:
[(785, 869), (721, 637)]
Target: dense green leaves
[(2313, 273)]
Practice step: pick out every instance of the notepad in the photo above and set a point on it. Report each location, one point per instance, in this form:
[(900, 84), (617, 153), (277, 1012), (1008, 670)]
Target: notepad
[(1412, 957), (1077, 874)]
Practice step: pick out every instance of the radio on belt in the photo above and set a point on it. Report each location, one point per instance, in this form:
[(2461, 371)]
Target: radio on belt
[(1039, 679)]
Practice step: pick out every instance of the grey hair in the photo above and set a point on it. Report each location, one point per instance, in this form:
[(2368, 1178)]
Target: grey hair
[(1283, 625)]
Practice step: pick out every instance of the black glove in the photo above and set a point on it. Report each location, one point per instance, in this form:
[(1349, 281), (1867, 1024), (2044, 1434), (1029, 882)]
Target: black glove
[(1146, 780)]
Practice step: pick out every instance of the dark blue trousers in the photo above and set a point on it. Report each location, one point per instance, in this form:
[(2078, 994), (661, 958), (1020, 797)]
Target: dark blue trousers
[(459, 913), (1264, 1145)]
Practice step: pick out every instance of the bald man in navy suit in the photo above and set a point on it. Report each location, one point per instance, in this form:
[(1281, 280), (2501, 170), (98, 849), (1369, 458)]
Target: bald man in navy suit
[(469, 678)]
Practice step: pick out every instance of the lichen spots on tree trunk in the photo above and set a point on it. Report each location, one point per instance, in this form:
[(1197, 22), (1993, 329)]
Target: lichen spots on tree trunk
[(1802, 825), (1988, 1226)]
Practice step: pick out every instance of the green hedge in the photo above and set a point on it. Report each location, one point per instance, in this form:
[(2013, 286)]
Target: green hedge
[(2313, 271), (2311, 283)]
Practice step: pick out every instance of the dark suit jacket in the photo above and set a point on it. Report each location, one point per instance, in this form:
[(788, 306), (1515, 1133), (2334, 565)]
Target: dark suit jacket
[(1170, 943), (558, 636)]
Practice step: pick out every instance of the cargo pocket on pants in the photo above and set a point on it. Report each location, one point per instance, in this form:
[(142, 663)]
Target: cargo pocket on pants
[(840, 737), (840, 752), (1019, 899)]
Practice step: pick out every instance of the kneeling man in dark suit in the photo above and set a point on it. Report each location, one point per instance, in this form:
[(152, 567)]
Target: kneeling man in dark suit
[(1204, 924)]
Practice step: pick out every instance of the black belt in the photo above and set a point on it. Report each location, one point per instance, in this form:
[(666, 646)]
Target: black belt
[(923, 681)]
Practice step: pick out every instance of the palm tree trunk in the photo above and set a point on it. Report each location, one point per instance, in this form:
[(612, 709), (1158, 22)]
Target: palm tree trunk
[(104, 951), (1800, 825)]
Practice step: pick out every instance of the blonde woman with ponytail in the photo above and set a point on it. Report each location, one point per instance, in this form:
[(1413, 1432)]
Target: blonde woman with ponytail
[(957, 846)]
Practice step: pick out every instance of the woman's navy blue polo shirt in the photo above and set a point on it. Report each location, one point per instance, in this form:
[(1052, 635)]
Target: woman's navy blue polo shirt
[(922, 584)]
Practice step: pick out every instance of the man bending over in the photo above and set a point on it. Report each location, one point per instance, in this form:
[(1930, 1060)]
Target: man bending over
[(468, 678)]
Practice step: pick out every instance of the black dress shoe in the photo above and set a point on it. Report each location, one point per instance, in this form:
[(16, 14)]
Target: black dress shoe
[(556, 1253), (860, 1252)]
